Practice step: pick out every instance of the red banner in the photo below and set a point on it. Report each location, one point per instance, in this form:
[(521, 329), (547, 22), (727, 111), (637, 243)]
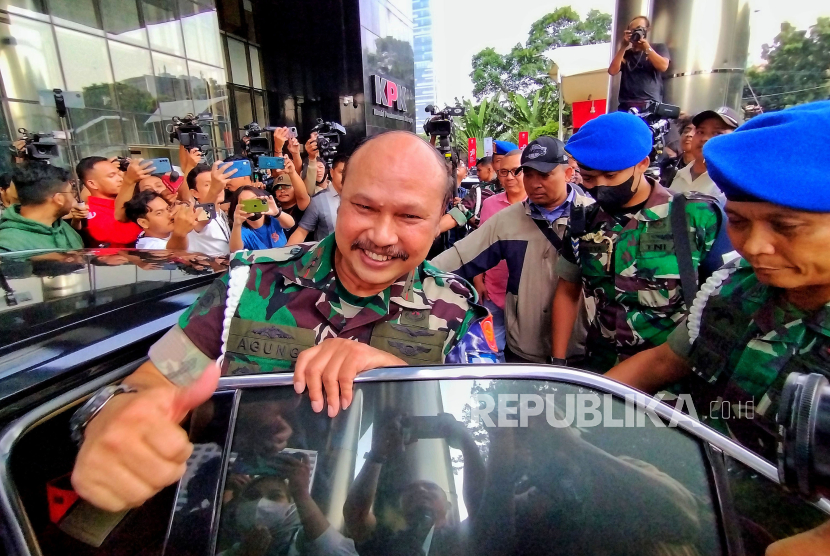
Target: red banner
[(523, 137), (586, 110), (471, 152)]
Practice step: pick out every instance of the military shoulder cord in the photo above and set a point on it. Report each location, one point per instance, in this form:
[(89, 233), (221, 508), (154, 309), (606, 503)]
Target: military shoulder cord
[(713, 283), (236, 285)]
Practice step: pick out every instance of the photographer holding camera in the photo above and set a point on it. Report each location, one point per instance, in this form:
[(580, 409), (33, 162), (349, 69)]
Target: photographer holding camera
[(642, 65), (103, 180)]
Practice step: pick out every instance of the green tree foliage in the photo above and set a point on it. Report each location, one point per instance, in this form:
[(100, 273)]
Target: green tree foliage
[(516, 88), (525, 68), (797, 68), (130, 99), (393, 57)]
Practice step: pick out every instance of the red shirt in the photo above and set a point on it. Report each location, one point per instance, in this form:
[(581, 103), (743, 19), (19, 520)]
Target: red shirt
[(102, 226)]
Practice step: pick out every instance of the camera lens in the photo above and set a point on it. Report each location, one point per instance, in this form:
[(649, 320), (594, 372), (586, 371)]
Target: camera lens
[(803, 421)]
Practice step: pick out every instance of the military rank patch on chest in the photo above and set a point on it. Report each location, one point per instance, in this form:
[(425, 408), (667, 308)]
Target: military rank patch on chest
[(270, 341), (413, 344)]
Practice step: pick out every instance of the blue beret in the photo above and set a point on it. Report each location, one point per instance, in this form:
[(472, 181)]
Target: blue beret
[(758, 159), (503, 147), (611, 142)]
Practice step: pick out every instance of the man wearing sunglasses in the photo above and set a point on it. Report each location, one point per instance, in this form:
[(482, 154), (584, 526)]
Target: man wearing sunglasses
[(625, 255), (527, 236)]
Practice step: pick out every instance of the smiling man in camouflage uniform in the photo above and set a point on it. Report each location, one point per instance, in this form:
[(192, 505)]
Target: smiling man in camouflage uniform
[(362, 298), (624, 254), (767, 314)]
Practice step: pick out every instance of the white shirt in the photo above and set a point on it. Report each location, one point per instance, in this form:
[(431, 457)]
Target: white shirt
[(214, 239), (682, 183), (145, 242)]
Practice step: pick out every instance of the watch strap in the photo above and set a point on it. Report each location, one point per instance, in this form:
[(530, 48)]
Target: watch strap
[(93, 406)]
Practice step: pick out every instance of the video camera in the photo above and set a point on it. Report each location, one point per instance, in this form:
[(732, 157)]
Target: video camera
[(440, 125), (328, 138), (656, 115), (257, 145), (38, 146), (188, 132), (803, 421)]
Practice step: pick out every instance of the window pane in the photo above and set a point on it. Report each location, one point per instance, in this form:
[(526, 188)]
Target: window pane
[(259, 103), (30, 64), (207, 84), (230, 16), (552, 479), (256, 69), (239, 63), (86, 67), (74, 13), (244, 110), (29, 8), (121, 21), (163, 27), (201, 33)]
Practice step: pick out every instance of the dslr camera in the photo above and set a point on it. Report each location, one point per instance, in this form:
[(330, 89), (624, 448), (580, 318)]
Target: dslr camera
[(188, 132), (638, 34), (803, 421), (440, 125), (328, 138), (38, 146)]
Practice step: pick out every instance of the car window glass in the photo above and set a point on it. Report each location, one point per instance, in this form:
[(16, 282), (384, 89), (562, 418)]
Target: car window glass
[(412, 468), (765, 512)]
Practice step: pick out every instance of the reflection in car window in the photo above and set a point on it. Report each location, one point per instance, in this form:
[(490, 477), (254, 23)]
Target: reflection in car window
[(765, 512), (412, 468)]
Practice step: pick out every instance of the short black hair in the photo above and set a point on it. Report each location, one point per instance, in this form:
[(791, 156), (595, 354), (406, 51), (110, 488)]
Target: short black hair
[(36, 182), (5, 180), (340, 158), (485, 161), (137, 208), (235, 198), (200, 168), (86, 165)]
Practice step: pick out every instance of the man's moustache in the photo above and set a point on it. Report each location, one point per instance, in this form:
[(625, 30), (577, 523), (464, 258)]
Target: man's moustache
[(390, 251)]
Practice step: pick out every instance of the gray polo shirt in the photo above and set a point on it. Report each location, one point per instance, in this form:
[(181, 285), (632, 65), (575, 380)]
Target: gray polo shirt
[(321, 214)]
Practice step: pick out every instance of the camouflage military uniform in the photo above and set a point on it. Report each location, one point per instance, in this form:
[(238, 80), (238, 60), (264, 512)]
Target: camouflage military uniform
[(468, 211), (630, 271), (743, 338), (276, 303)]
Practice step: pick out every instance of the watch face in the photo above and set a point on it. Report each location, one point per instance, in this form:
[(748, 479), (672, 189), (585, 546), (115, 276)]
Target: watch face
[(82, 417)]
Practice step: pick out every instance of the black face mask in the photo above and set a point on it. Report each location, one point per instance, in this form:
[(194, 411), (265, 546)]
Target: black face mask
[(255, 218), (612, 197)]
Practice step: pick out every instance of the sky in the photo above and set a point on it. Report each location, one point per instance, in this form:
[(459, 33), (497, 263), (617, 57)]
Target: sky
[(464, 27)]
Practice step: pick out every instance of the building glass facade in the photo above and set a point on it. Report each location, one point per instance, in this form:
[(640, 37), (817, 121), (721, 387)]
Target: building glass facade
[(128, 66), (425, 92)]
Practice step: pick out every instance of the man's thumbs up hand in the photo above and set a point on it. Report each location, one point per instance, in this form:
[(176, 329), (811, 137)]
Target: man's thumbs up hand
[(135, 446)]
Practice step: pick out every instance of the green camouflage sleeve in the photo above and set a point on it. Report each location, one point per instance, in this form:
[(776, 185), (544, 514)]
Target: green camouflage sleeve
[(703, 218), (185, 350), (202, 321), (568, 271)]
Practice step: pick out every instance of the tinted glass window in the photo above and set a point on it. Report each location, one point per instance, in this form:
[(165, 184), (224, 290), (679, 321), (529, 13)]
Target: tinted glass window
[(765, 512), (410, 468)]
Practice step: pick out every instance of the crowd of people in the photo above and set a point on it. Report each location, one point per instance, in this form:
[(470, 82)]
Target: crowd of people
[(711, 270)]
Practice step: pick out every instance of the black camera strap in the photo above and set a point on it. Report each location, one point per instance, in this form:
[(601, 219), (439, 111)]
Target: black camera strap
[(547, 229), (683, 250)]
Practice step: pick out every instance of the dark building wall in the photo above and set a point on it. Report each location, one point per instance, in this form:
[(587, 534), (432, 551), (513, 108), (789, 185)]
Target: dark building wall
[(318, 58)]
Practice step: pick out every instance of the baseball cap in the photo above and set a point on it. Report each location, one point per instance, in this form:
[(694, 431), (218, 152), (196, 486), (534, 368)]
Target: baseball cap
[(726, 115), (503, 147), (544, 154)]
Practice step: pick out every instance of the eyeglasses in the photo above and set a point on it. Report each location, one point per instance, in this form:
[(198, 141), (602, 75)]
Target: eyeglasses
[(504, 172)]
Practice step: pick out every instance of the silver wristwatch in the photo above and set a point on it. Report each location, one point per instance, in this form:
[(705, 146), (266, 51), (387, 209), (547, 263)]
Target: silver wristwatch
[(93, 406)]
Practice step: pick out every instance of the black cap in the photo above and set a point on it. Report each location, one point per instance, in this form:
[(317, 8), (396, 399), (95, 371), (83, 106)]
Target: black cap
[(544, 154), (724, 113)]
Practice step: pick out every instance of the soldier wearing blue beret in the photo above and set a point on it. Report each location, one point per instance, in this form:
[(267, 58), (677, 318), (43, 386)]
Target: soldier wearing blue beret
[(767, 313), (623, 254)]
